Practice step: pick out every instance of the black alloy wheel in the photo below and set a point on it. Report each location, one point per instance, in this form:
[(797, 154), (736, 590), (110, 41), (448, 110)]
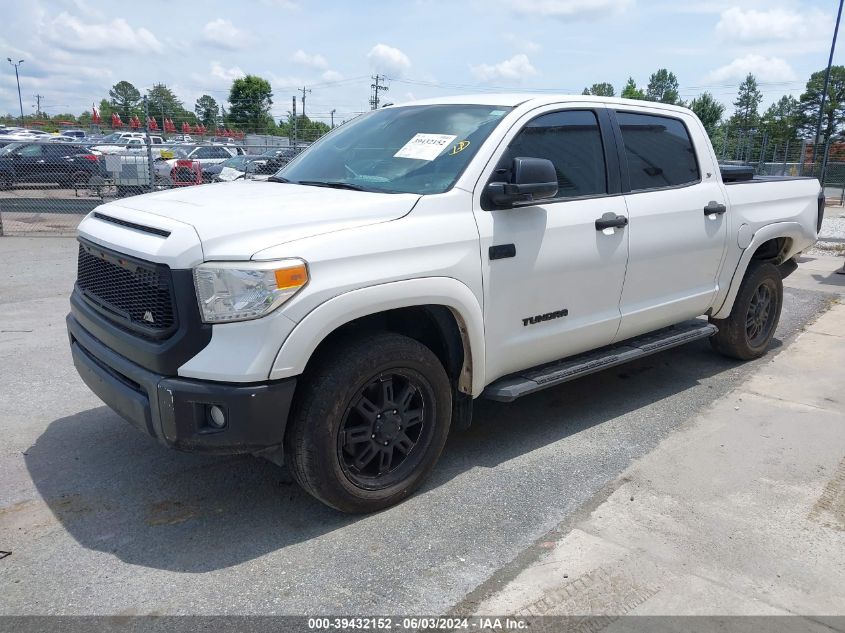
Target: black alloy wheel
[(381, 429), (760, 315), (369, 420), (748, 330)]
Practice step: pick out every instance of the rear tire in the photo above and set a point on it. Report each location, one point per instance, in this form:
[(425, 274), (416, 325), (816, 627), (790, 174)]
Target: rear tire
[(748, 330), (369, 422), (79, 179)]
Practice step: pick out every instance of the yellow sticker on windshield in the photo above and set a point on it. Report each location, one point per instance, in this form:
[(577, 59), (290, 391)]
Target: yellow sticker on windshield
[(461, 146), (166, 153)]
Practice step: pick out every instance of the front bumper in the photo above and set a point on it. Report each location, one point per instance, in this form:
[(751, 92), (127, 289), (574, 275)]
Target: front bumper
[(176, 410)]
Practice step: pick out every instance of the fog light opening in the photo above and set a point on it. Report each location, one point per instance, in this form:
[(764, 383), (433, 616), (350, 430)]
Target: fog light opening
[(216, 417)]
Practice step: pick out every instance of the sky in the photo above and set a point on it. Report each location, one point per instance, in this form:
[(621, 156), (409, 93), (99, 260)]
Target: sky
[(74, 50)]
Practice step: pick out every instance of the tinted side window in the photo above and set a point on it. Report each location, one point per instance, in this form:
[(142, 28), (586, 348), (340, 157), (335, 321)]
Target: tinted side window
[(572, 141), (31, 151), (659, 151)]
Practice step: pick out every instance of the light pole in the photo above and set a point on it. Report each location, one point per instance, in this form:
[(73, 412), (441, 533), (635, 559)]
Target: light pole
[(332, 113), (822, 99), (18, 79)]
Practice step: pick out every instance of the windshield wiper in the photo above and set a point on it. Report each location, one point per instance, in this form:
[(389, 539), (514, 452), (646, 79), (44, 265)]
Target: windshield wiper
[(277, 179), (334, 184)]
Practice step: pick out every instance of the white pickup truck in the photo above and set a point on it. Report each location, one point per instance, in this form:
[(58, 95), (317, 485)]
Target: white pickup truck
[(343, 315)]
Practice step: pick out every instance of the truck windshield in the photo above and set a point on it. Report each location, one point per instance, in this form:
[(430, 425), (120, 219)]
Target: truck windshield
[(412, 149)]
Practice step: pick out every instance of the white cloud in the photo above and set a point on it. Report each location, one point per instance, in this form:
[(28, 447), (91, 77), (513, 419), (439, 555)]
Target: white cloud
[(568, 9), (314, 61), (521, 43), (763, 68), (219, 71), (70, 33), (287, 82), (514, 69), (389, 60), (753, 27), (223, 34), (331, 75)]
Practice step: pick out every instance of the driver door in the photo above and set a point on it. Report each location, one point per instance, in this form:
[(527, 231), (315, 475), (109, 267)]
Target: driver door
[(552, 281)]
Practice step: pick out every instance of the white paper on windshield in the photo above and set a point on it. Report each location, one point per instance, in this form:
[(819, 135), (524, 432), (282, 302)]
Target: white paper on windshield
[(425, 146), (228, 174)]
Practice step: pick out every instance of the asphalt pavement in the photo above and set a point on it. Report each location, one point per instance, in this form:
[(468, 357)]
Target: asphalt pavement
[(102, 520)]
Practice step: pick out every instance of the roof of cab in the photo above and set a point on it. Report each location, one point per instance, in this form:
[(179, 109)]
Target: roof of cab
[(516, 99)]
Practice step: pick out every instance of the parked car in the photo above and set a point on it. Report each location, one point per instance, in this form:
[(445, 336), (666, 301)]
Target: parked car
[(76, 134), (204, 155), (180, 138), (258, 167), (61, 163), (345, 314), (119, 141)]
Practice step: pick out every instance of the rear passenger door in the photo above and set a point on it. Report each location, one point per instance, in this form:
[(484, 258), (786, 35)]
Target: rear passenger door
[(675, 247)]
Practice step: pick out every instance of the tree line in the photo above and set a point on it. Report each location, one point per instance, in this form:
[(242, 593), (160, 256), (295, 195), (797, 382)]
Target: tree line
[(787, 120), (247, 110)]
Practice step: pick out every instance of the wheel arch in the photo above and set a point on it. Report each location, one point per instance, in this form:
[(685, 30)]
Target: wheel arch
[(441, 312), (775, 243)]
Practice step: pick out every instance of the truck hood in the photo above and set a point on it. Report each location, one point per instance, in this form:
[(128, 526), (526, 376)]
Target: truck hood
[(236, 220)]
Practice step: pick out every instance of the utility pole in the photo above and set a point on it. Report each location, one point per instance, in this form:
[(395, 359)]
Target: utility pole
[(18, 79), (304, 90), (38, 99), (148, 141), (374, 99), (824, 94), (332, 115), (293, 110)]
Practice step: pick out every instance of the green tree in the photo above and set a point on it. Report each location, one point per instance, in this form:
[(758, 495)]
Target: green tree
[(124, 99), (663, 87), (603, 89), (250, 99), (163, 103), (207, 111), (709, 111), (780, 120), (306, 129), (834, 105), (105, 111), (748, 99), (630, 91)]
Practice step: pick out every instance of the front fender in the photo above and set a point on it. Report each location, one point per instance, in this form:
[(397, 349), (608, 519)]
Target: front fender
[(337, 311), (800, 238)]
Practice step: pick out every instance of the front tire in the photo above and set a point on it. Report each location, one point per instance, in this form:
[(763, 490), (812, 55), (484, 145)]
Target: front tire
[(370, 422), (749, 328)]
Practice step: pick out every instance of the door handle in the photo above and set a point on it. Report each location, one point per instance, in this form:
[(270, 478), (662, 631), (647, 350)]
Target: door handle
[(714, 207), (611, 221)]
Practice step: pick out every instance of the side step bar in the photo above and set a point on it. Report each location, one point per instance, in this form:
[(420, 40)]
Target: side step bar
[(509, 388)]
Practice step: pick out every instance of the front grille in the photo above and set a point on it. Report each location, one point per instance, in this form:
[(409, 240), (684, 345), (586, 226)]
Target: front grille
[(135, 294)]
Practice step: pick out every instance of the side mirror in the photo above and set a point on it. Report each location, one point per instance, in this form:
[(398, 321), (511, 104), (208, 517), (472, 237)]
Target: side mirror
[(532, 179)]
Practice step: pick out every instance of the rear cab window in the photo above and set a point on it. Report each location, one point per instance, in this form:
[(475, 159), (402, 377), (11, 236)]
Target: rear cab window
[(659, 151)]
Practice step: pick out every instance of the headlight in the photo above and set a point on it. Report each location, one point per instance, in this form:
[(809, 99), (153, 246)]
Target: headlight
[(237, 291)]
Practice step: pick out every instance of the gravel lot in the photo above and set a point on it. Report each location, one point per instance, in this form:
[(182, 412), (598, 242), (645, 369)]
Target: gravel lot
[(832, 236), (102, 520)]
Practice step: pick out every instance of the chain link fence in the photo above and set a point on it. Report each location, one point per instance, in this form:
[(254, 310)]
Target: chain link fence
[(47, 187), (791, 157)]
